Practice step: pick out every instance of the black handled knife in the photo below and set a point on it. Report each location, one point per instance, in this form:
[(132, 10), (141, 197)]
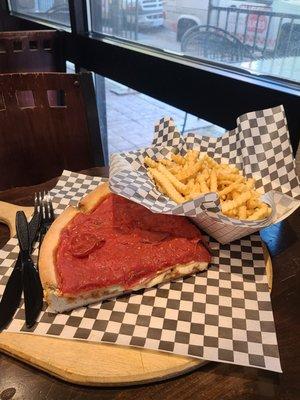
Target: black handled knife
[(12, 295), (33, 291), (13, 290)]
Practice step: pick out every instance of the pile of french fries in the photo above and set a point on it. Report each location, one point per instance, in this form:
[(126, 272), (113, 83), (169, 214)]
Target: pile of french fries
[(186, 177)]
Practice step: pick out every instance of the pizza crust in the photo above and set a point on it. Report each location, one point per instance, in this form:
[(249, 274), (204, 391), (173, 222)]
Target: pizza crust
[(59, 302), (49, 246), (92, 199), (51, 240)]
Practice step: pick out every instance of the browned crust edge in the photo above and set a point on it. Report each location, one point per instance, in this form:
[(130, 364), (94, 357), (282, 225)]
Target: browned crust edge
[(51, 240), (96, 196)]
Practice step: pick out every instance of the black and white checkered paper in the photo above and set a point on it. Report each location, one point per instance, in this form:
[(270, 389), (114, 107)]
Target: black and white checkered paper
[(259, 147), (223, 314)]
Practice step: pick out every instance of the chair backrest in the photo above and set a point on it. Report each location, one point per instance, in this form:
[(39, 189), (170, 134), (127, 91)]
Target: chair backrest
[(31, 51), (39, 140), (214, 44)]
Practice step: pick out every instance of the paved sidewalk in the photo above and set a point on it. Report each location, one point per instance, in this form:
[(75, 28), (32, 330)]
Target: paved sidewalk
[(131, 117)]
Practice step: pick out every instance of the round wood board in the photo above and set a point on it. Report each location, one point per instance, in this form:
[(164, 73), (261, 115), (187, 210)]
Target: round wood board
[(95, 364)]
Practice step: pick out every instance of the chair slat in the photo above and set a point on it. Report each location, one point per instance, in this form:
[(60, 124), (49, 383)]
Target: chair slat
[(41, 51), (38, 142)]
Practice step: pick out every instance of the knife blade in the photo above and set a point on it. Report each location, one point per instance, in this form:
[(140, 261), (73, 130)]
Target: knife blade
[(33, 291), (12, 295), (33, 228), (13, 290)]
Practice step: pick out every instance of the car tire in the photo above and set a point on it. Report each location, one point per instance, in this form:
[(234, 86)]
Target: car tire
[(183, 26)]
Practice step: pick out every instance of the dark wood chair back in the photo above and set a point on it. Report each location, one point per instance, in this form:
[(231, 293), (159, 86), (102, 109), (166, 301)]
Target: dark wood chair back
[(39, 140), (31, 51)]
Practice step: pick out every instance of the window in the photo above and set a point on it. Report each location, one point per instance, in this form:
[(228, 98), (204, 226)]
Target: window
[(56, 11), (200, 57), (131, 117), (260, 36)]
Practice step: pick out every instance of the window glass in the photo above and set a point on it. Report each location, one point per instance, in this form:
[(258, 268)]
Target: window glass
[(56, 11), (131, 117), (262, 36)]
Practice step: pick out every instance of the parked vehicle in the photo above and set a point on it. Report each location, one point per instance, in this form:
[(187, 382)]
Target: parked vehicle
[(182, 15), (289, 32), (150, 13), (142, 13), (264, 25)]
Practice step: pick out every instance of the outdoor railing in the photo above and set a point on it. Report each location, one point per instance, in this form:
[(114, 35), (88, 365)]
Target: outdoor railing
[(268, 34)]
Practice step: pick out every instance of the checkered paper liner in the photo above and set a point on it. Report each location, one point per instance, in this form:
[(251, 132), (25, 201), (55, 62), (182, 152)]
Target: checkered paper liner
[(259, 146), (223, 314)]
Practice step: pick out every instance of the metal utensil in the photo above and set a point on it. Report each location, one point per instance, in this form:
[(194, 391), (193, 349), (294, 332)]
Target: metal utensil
[(43, 203), (33, 291), (13, 290)]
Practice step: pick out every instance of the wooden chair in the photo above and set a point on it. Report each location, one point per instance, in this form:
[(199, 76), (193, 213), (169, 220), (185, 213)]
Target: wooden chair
[(31, 51), (39, 140)]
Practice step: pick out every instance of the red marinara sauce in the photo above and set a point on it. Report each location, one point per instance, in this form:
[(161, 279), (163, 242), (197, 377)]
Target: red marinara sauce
[(123, 243)]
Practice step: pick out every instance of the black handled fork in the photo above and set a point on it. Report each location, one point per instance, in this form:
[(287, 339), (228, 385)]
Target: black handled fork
[(43, 205)]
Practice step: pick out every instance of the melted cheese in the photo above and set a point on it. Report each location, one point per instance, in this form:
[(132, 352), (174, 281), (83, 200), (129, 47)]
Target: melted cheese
[(60, 303), (175, 272)]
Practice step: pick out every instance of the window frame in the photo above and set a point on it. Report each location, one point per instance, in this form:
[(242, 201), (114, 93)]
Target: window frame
[(153, 72), (41, 21)]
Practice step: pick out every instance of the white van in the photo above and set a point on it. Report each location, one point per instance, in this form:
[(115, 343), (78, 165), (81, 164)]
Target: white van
[(143, 13), (278, 23), (151, 13), (146, 13)]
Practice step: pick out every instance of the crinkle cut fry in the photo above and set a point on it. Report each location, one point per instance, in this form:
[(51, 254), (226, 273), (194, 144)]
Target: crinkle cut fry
[(167, 186), (230, 204), (193, 174), (181, 187)]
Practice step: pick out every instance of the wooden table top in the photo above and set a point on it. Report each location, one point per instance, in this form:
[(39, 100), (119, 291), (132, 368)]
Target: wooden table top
[(212, 381)]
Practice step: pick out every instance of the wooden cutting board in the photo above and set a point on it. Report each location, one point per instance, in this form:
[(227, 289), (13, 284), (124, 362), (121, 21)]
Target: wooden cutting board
[(93, 364)]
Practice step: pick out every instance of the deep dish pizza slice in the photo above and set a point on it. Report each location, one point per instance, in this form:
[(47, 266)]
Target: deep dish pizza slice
[(109, 245)]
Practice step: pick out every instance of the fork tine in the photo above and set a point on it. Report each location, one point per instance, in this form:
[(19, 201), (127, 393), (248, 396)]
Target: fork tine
[(40, 207), (50, 208), (35, 203), (45, 206)]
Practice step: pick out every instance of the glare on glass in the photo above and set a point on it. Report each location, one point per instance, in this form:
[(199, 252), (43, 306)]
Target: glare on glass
[(262, 36)]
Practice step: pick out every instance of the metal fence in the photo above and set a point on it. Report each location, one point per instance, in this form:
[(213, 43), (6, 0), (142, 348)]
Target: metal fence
[(116, 17), (267, 34)]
